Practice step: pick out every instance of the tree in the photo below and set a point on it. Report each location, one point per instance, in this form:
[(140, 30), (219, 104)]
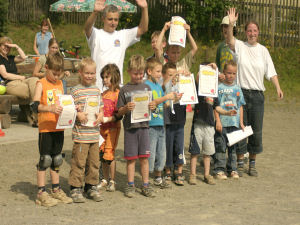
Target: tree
[(3, 17)]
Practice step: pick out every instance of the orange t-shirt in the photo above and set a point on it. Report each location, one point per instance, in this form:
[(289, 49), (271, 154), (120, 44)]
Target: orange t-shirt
[(48, 120), (110, 99)]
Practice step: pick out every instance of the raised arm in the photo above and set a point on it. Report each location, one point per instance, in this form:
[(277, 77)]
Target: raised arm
[(233, 17), (159, 48), (191, 39), (21, 57), (98, 7), (143, 26)]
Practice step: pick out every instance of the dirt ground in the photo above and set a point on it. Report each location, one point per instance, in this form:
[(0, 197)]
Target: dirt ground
[(271, 198)]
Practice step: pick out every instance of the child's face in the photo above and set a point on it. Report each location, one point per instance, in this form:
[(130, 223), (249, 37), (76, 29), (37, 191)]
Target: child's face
[(107, 80), (154, 41), (111, 21), (136, 76), (155, 73), (173, 53), (170, 73), (53, 49), (54, 75), (230, 74), (88, 75)]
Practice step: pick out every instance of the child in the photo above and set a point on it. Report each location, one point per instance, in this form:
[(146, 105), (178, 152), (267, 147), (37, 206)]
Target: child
[(110, 130), (202, 134), (85, 153), (154, 38), (136, 135), (230, 97), (51, 140), (157, 157)]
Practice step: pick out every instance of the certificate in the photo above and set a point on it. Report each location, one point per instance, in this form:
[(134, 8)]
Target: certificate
[(208, 81), (188, 88), (141, 111), (236, 136), (177, 34), (67, 117), (91, 107)]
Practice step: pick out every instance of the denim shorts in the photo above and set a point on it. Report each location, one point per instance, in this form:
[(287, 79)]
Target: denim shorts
[(202, 139), (157, 159), (253, 116)]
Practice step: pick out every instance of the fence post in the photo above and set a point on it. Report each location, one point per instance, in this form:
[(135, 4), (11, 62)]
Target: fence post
[(273, 23)]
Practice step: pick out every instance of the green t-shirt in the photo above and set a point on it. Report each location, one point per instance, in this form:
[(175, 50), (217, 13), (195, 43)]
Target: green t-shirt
[(224, 55)]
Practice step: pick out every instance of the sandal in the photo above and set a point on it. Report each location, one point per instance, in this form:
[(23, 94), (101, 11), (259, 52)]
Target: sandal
[(179, 180), (168, 178)]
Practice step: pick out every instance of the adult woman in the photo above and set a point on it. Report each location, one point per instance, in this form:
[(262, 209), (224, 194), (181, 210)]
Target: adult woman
[(41, 40), (254, 63), (15, 84), (39, 69)]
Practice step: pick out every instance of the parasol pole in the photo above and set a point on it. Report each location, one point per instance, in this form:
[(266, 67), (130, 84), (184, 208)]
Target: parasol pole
[(52, 31)]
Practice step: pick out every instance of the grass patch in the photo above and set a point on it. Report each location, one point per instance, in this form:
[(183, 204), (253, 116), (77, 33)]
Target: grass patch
[(286, 60)]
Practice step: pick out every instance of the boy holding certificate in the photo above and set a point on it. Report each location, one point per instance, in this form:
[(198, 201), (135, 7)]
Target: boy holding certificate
[(85, 153), (230, 97), (51, 140), (136, 135)]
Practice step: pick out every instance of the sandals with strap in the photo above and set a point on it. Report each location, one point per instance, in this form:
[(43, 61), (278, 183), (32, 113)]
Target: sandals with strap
[(179, 180)]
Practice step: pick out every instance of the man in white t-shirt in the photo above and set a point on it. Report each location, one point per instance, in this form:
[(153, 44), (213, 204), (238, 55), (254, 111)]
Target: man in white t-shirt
[(108, 45)]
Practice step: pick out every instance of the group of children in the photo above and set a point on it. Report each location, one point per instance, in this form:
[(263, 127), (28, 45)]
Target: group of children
[(158, 144)]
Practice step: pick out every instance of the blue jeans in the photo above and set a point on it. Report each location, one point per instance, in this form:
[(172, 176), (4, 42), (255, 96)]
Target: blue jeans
[(220, 156), (253, 116), (157, 157), (174, 144)]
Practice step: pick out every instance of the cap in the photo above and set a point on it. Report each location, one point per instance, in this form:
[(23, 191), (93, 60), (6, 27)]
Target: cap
[(226, 21)]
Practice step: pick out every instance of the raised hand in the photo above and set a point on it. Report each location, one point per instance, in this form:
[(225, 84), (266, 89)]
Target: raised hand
[(142, 3), (187, 27), (167, 26), (99, 5), (232, 15)]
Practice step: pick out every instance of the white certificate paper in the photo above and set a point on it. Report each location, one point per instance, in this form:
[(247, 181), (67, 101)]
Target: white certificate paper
[(141, 110), (91, 107), (188, 88), (177, 34), (236, 136), (67, 117), (208, 81)]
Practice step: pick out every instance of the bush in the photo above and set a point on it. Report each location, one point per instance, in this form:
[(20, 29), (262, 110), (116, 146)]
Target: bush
[(3, 17)]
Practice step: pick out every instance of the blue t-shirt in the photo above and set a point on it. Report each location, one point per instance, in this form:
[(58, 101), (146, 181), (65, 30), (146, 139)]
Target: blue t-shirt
[(42, 43), (230, 97), (157, 116)]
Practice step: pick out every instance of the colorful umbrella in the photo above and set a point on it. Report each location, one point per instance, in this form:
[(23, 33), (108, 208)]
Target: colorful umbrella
[(88, 6)]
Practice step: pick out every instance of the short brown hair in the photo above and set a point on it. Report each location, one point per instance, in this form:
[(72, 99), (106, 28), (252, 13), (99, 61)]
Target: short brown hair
[(136, 62), (114, 72), (55, 62), (44, 22), (168, 65), (231, 63), (251, 22), (152, 63)]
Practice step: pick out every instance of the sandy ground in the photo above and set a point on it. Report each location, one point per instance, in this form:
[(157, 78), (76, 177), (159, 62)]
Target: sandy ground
[(271, 198)]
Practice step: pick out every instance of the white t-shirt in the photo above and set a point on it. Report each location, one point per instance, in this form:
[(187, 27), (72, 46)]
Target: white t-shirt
[(254, 62), (110, 48)]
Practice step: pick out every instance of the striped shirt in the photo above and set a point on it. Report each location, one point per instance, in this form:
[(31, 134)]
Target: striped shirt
[(83, 134)]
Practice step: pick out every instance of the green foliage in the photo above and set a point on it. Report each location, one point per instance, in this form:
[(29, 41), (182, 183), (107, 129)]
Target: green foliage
[(3, 17)]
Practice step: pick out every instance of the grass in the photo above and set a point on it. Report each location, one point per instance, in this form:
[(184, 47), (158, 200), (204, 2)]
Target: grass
[(286, 60)]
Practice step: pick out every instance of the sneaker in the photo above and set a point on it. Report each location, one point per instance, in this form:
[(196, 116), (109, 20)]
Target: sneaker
[(76, 195), (148, 191), (209, 180), (44, 199), (60, 195), (102, 184), (94, 194), (240, 170), (129, 191), (221, 175), (161, 183), (234, 175), (111, 186), (252, 171), (192, 180)]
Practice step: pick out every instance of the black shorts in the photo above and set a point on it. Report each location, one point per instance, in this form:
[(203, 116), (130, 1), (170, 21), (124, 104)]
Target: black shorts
[(51, 143)]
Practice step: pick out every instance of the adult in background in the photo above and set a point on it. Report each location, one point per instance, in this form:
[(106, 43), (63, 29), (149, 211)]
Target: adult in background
[(108, 45), (254, 63), (15, 84), (41, 39)]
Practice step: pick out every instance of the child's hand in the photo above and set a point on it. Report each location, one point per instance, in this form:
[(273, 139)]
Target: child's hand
[(231, 112), (178, 97), (171, 96), (56, 108), (152, 105), (187, 27), (243, 126), (99, 119), (175, 79), (82, 117), (142, 3), (167, 26), (99, 5), (184, 72), (67, 73), (130, 106), (219, 126), (221, 77), (213, 65)]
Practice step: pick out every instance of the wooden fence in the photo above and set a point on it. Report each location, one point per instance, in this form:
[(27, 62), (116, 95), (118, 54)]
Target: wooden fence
[(279, 20)]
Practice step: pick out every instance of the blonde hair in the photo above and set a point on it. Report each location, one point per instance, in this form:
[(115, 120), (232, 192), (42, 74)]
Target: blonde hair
[(86, 61), (152, 63), (156, 34), (4, 40), (114, 72), (136, 62), (231, 63), (55, 62)]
